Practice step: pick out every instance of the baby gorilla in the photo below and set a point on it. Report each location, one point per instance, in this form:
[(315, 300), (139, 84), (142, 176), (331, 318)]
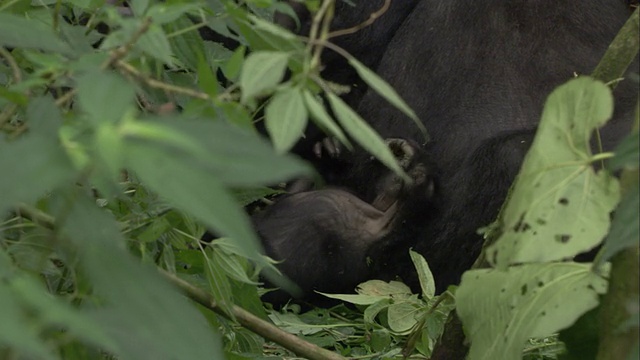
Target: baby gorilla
[(323, 237)]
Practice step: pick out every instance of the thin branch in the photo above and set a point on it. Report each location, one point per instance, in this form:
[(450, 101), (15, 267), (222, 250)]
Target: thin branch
[(15, 69), (372, 18), (159, 84), (255, 324), (243, 317)]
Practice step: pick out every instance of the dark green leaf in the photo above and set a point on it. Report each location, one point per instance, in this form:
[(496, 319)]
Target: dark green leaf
[(139, 308), (193, 190), (16, 31), (627, 153), (30, 167), (104, 96), (625, 227)]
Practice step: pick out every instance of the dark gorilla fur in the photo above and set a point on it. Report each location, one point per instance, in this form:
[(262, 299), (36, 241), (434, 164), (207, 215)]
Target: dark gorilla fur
[(477, 74), (324, 237)]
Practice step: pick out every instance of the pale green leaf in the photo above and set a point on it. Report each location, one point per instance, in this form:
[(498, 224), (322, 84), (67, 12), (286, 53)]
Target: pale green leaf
[(362, 133), (427, 283), (386, 91), (500, 310), (286, 118), (560, 206), (319, 114), (262, 71)]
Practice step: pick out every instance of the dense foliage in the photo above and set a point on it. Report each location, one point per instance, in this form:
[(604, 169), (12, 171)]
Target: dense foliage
[(126, 135)]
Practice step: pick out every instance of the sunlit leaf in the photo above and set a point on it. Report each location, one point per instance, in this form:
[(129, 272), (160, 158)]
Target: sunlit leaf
[(286, 118), (262, 70), (500, 310)]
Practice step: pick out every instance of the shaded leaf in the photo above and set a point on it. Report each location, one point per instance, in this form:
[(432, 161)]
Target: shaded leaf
[(139, 308), (16, 31), (625, 227), (31, 166), (104, 96)]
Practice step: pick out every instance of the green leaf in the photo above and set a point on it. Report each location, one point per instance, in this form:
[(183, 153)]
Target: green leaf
[(236, 157), (137, 306), (427, 283), (627, 153), (387, 92), (234, 64), (262, 71), (31, 166), (364, 134), (16, 328), (104, 96), (500, 310), (402, 316), (18, 32), (219, 285), (231, 266), (165, 13), (53, 312), (196, 191), (188, 47), (286, 118), (319, 114), (560, 206), (625, 227), (155, 43)]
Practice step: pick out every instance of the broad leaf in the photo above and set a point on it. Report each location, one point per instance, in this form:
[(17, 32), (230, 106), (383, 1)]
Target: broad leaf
[(500, 310), (104, 96), (262, 71), (16, 31), (138, 306), (560, 206), (625, 227)]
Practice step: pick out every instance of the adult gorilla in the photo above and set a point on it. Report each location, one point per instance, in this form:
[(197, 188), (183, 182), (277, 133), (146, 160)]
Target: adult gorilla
[(477, 74)]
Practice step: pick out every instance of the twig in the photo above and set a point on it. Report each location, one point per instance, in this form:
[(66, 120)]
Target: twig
[(10, 109), (255, 324), (372, 18), (15, 69), (159, 84), (243, 317)]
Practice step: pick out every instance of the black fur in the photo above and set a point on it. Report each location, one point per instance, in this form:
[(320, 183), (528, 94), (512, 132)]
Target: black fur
[(477, 74), (323, 237)]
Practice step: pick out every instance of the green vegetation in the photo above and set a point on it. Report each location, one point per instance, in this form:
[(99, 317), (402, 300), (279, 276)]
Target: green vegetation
[(120, 146)]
